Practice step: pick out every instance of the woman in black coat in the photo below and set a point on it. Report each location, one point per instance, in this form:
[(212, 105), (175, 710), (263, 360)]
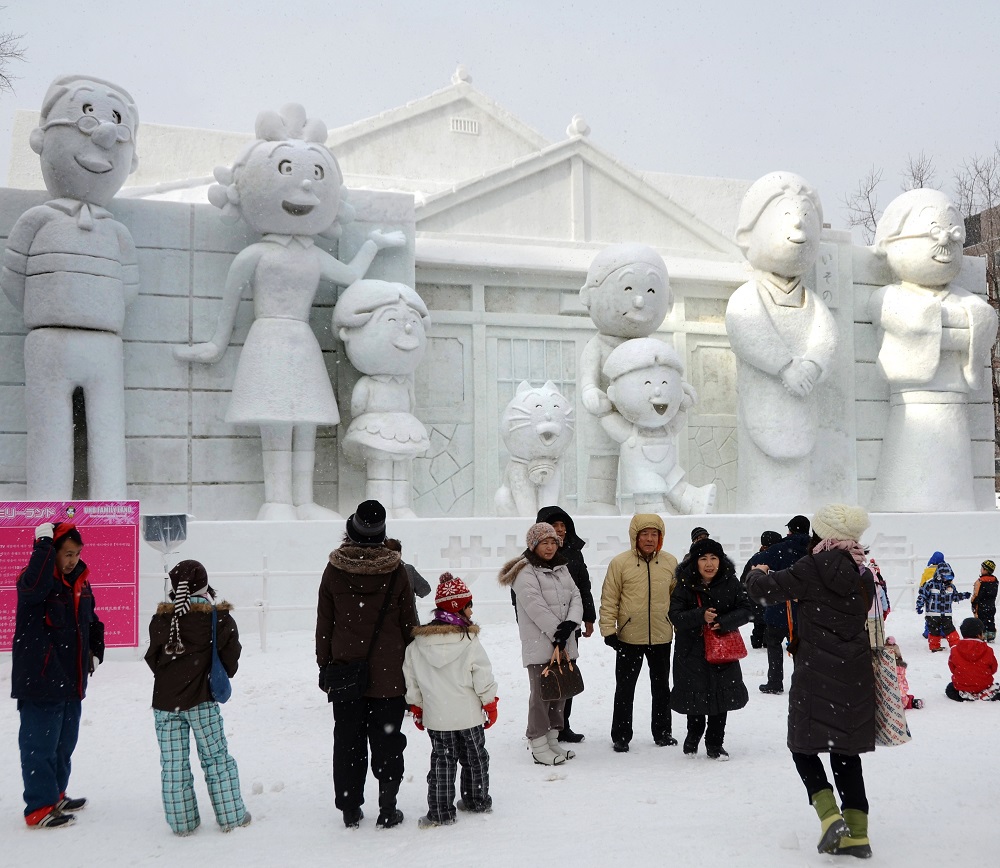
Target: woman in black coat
[(708, 592), (832, 699)]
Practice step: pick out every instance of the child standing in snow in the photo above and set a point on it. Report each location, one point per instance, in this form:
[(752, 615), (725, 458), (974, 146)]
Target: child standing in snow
[(973, 665), (904, 687), (984, 599), (937, 595), (180, 655), (450, 689)]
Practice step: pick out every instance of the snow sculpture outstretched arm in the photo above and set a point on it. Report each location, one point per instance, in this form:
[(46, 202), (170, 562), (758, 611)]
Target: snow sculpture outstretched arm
[(345, 274), (241, 274)]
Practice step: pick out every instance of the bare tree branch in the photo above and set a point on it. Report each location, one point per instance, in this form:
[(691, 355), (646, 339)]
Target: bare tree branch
[(862, 205), (10, 50), (919, 172)]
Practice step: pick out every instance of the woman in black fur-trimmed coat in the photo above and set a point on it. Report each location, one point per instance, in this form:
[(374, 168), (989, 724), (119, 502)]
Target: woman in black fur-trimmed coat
[(708, 592)]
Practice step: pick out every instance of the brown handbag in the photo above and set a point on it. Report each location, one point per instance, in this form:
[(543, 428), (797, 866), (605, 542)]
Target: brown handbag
[(561, 678)]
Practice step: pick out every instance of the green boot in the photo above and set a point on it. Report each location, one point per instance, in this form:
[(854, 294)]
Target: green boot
[(832, 823), (856, 843)]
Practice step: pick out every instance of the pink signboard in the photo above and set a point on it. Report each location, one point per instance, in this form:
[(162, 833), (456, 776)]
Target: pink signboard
[(110, 531)]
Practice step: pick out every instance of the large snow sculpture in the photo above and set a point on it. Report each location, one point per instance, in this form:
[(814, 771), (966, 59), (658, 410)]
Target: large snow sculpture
[(536, 427), (628, 295), (784, 338), (934, 344), (383, 326), (287, 186), (650, 402), (71, 269)]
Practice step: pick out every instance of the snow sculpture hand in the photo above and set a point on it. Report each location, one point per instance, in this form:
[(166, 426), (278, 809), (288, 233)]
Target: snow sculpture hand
[(384, 240), (596, 401), (799, 377), (206, 353)]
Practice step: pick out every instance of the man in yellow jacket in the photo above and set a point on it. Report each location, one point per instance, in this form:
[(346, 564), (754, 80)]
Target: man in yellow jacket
[(635, 601)]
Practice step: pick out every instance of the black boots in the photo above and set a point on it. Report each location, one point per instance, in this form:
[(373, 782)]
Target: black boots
[(388, 814)]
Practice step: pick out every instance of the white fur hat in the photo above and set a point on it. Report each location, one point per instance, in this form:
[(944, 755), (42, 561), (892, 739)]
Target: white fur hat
[(840, 521)]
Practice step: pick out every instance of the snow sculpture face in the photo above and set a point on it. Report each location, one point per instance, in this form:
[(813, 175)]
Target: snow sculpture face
[(383, 326), (648, 397), (289, 188), (921, 234), (627, 291), (287, 182), (86, 139), (537, 423), (779, 225)]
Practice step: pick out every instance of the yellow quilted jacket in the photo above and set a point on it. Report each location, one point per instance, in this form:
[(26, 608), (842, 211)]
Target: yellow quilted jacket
[(635, 599)]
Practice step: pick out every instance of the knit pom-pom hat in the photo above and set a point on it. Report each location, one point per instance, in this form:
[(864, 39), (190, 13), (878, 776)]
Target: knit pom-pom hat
[(840, 521), (538, 532), (452, 595)]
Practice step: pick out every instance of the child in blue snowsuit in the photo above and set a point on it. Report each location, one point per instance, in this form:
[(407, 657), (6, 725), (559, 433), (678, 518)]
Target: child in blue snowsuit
[(937, 595), (180, 655)]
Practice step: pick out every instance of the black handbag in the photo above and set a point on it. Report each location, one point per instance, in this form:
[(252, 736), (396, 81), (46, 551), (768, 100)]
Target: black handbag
[(560, 679), (347, 682)]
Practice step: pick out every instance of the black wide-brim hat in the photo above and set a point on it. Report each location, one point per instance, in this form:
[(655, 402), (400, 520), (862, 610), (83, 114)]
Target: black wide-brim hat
[(366, 527)]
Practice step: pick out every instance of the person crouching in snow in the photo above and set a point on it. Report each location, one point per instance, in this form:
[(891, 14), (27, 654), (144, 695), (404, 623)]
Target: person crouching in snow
[(180, 655), (984, 599), (973, 665), (450, 690), (937, 595), (904, 686)]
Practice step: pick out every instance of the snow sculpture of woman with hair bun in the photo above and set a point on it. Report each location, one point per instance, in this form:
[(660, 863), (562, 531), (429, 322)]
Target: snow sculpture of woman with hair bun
[(288, 187)]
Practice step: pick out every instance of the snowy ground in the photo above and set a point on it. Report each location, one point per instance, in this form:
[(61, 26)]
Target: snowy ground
[(933, 800)]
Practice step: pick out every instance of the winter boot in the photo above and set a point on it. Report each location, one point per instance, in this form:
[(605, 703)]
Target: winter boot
[(953, 638), (353, 817), (717, 753), (49, 817), (832, 825), (991, 635), (934, 642), (553, 739), (856, 843), (388, 814), (543, 753)]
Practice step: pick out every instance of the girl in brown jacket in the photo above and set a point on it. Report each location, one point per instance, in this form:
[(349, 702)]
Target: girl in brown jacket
[(180, 655)]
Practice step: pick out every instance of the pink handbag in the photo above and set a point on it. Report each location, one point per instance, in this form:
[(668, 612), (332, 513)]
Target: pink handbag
[(722, 647)]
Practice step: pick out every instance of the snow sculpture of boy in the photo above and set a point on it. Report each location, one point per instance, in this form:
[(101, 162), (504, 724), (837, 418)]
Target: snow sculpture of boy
[(288, 187), (384, 329), (784, 338), (650, 402), (70, 267), (934, 347), (536, 427), (628, 295)]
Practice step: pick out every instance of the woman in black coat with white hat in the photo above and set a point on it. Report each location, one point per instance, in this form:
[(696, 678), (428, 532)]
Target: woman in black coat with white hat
[(708, 593), (832, 699)]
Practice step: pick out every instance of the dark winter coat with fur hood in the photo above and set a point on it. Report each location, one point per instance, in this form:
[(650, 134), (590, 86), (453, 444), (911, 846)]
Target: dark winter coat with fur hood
[(180, 681), (351, 593), (701, 687), (831, 706)]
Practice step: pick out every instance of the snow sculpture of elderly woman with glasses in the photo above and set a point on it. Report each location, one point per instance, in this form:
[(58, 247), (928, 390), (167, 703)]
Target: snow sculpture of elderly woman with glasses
[(934, 347)]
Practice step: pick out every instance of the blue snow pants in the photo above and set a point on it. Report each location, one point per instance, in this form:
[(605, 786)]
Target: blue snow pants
[(173, 731), (48, 735)]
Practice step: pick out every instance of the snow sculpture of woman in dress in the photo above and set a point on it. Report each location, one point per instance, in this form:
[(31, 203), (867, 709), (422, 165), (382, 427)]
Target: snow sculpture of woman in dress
[(288, 187)]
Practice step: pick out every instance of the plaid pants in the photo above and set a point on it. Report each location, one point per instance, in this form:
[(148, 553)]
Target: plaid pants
[(173, 731), (448, 749)]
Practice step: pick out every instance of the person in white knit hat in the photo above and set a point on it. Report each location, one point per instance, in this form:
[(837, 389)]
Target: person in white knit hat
[(832, 700)]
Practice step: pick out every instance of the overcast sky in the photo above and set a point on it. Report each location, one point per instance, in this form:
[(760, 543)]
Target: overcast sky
[(730, 89)]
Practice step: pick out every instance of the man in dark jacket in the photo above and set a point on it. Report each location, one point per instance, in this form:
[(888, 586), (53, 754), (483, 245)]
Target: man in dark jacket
[(571, 547), (58, 640), (780, 556), (767, 539), (363, 579)]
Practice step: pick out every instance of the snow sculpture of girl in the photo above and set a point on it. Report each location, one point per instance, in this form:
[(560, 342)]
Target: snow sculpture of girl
[(383, 326), (288, 187)]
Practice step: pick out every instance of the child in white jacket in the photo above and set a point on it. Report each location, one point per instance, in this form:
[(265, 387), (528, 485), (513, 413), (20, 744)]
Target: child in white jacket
[(452, 693)]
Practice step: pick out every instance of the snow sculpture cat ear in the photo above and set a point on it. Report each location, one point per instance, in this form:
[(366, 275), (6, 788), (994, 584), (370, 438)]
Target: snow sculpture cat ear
[(522, 387), (549, 386)]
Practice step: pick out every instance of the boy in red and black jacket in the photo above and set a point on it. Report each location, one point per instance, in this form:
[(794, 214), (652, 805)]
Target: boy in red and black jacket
[(973, 665), (58, 641)]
